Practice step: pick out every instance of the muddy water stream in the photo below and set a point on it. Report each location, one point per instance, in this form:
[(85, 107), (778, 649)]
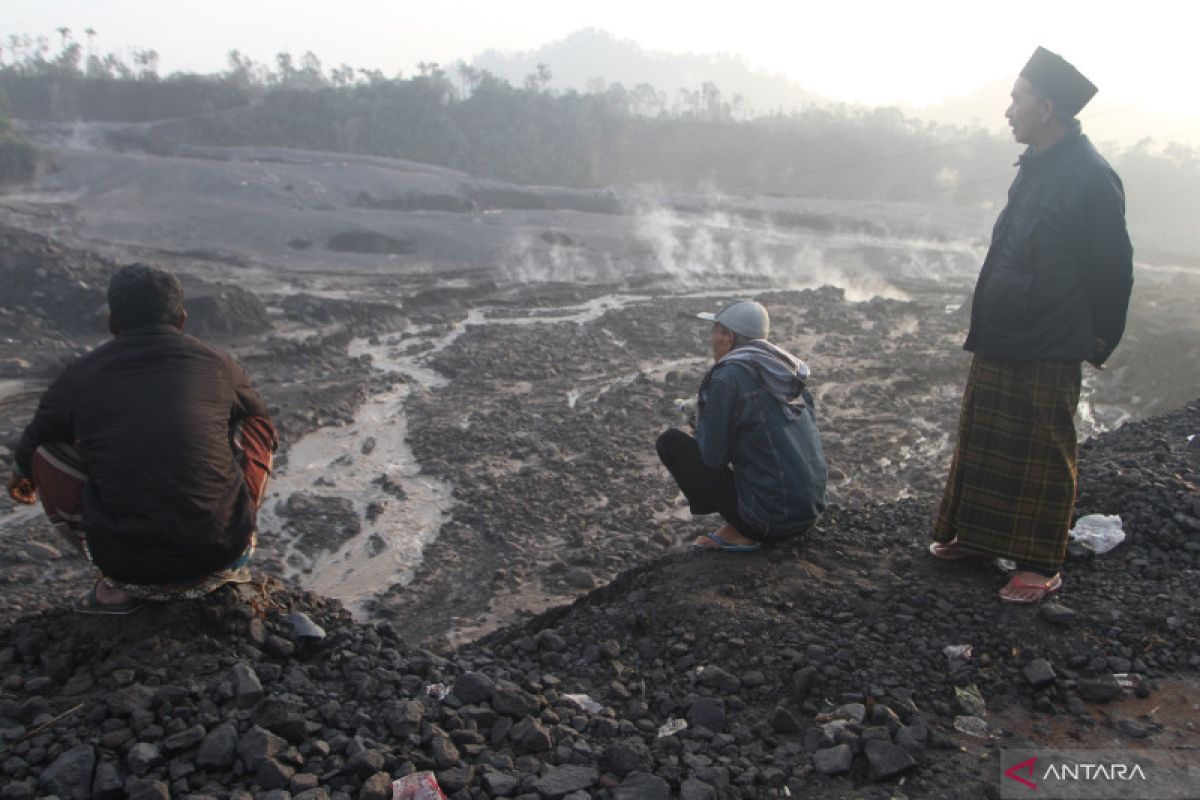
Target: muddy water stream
[(369, 464)]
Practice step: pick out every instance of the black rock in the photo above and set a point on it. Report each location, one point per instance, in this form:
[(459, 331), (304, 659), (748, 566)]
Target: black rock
[(529, 736), (366, 762), (70, 775), (273, 774), (185, 739), (508, 699), (886, 761), (833, 760), (912, 737), (626, 756), (108, 783), (455, 779), (143, 757), (693, 789), (1058, 614), (1039, 673), (473, 687), (707, 712), (376, 787), (258, 744), (642, 786), (499, 784), (404, 718), (551, 641), (784, 721), (131, 699), (719, 679), (247, 688), (1099, 690), (559, 781), (218, 751), (147, 789)]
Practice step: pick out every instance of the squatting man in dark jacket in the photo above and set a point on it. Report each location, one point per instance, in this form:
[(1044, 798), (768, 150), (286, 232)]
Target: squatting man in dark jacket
[(756, 456), (1053, 292), (151, 454)]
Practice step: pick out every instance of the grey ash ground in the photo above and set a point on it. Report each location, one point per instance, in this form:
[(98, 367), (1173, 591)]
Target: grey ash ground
[(559, 566), (818, 669)]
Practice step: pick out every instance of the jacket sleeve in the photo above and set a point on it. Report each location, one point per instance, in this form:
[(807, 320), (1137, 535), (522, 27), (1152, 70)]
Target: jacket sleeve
[(716, 422), (1108, 258), (246, 400), (54, 421)]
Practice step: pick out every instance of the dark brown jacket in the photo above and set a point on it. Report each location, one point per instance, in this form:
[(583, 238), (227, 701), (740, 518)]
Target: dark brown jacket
[(151, 412)]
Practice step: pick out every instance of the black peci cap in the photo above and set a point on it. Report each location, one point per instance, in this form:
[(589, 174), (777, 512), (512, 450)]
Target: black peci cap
[(1054, 77)]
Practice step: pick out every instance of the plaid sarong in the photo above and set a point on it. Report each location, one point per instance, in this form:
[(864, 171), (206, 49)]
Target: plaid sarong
[(1011, 489), (60, 476)]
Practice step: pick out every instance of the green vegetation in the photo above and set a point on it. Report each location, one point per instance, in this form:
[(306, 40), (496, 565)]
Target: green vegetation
[(18, 159), (611, 135)]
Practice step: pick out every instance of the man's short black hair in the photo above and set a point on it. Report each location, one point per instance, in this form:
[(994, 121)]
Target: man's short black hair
[(141, 294)]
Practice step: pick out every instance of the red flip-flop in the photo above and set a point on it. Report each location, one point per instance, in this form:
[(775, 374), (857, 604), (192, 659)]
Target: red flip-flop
[(1044, 589)]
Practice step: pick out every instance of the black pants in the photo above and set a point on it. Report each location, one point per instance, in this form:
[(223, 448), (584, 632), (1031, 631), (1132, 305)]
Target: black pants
[(707, 490)]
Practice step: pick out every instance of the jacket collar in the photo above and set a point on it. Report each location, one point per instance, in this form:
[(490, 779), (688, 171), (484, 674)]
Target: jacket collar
[(150, 330), (1032, 160)]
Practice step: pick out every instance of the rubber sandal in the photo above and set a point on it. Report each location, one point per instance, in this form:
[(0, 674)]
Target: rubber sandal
[(724, 546), (1043, 588), (88, 604), (950, 551)]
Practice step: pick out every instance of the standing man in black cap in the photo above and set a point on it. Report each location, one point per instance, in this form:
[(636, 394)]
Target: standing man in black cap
[(1052, 293)]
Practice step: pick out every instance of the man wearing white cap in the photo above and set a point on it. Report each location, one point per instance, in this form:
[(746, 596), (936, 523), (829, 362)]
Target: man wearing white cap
[(756, 458), (1053, 292)]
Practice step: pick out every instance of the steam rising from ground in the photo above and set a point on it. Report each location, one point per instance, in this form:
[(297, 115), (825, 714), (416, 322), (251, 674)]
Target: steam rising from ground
[(721, 248)]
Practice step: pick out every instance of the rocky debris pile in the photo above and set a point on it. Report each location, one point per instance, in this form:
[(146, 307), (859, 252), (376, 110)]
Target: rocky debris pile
[(55, 294), (829, 668)]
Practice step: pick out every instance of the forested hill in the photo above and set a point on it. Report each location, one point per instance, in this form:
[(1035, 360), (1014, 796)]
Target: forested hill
[(611, 135)]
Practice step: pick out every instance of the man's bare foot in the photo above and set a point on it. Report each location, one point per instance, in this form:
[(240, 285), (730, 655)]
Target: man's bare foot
[(109, 596), (726, 532)]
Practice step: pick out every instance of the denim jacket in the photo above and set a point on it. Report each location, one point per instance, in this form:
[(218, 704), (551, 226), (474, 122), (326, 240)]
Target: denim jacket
[(778, 463)]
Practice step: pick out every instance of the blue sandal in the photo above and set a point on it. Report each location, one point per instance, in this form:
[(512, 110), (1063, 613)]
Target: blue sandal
[(724, 546), (89, 604)]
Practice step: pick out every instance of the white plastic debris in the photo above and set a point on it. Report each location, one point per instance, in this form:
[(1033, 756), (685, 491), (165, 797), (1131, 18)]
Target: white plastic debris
[(1100, 532), (438, 690), (1127, 680), (970, 700), (418, 786), (953, 651), (586, 703), (671, 727), (1006, 564), (303, 627), (972, 726)]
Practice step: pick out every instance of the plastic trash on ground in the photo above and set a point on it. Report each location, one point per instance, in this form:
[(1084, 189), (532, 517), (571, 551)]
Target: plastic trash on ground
[(970, 700), (671, 727), (953, 651), (586, 703), (438, 690), (418, 786), (303, 627), (972, 726), (1099, 532)]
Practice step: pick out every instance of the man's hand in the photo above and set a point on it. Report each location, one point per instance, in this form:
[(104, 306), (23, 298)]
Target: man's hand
[(22, 489)]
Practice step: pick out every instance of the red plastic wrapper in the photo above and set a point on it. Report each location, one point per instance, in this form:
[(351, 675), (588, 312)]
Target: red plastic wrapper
[(418, 786)]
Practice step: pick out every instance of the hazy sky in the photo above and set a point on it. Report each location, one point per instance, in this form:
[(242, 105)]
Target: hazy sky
[(1143, 55)]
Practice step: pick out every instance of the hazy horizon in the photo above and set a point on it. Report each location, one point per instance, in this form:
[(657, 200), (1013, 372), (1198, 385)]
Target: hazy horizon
[(940, 60)]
